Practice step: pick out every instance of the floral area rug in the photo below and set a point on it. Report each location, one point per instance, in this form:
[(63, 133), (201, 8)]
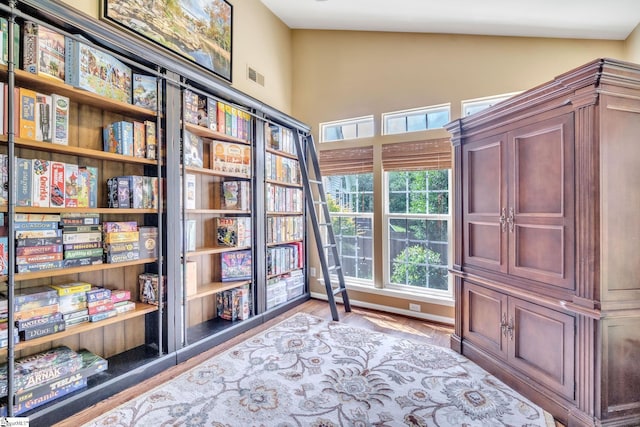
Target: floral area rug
[(307, 371)]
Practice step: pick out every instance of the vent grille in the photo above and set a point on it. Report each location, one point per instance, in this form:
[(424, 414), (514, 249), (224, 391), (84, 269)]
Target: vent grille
[(255, 76)]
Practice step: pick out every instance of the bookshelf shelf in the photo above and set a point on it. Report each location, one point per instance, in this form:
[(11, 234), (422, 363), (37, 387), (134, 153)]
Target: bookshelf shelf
[(281, 153), (115, 211), (206, 171), (77, 151), (204, 132), (212, 288), (286, 242), (276, 213), (140, 310), (214, 250), (271, 276), (46, 85), (218, 211), (83, 269), (283, 183)]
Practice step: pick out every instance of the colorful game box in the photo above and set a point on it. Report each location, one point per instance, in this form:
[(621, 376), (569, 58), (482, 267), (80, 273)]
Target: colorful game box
[(96, 71)]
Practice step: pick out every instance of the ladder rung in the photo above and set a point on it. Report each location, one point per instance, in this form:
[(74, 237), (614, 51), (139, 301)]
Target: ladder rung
[(334, 267), (319, 202), (329, 245), (325, 224), (314, 181), (337, 291)]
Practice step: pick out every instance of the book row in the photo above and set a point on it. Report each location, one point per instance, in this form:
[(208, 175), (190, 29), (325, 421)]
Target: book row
[(47, 183), (133, 191), (41, 245), (216, 115), (281, 229), (234, 304), (283, 199), (279, 138), (285, 258), (282, 169), (136, 138), (38, 116), (45, 310)]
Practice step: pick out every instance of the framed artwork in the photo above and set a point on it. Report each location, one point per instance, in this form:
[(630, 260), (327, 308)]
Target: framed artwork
[(198, 30)]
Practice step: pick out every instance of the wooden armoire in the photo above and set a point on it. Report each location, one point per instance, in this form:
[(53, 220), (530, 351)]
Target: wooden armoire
[(547, 243)]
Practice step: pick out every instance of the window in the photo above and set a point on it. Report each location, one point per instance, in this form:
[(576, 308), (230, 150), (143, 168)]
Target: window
[(415, 120), (350, 199), (473, 106), (417, 223), (361, 127)]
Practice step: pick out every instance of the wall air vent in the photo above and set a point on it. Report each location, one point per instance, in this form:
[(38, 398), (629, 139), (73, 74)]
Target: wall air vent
[(255, 76)]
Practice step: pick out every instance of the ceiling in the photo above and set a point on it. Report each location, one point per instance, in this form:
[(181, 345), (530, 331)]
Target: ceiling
[(586, 19)]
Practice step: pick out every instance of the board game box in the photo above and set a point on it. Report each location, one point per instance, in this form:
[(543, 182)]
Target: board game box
[(235, 266), (92, 69), (44, 51)]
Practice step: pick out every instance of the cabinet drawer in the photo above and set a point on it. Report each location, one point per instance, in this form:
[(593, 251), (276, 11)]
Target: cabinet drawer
[(482, 313), (543, 345)]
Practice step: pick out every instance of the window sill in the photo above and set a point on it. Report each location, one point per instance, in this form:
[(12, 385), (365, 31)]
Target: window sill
[(395, 293)]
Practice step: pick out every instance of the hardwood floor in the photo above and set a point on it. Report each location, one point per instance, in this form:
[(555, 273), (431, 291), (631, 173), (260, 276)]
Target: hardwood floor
[(392, 324)]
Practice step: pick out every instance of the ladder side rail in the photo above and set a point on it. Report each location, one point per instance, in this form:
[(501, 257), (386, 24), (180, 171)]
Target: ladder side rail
[(316, 227)]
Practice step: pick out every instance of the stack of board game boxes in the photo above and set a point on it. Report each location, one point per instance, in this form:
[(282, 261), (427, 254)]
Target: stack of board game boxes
[(70, 239), (45, 310), (43, 377)]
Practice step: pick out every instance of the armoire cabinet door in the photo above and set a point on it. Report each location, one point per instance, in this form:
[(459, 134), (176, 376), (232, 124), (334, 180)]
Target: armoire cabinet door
[(484, 318), (542, 345), (541, 198), (484, 201)]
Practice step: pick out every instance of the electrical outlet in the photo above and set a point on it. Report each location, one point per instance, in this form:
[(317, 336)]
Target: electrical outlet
[(414, 307), (312, 271)]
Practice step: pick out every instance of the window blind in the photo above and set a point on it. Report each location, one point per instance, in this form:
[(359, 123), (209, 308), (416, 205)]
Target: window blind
[(346, 161), (417, 155)]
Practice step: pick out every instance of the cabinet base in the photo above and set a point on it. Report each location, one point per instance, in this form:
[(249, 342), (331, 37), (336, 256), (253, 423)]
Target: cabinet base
[(555, 405)]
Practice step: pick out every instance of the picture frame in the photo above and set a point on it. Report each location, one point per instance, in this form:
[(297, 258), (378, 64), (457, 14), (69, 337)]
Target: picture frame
[(197, 30)]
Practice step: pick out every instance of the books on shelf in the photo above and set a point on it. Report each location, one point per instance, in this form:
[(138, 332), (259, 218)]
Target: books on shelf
[(234, 304), (236, 265), (282, 169)]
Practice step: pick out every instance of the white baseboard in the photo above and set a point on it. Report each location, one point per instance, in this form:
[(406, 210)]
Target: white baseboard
[(384, 308)]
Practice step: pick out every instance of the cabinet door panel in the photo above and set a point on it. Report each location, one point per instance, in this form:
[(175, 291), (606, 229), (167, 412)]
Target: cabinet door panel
[(483, 314), (484, 201), (542, 346), (541, 197)]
